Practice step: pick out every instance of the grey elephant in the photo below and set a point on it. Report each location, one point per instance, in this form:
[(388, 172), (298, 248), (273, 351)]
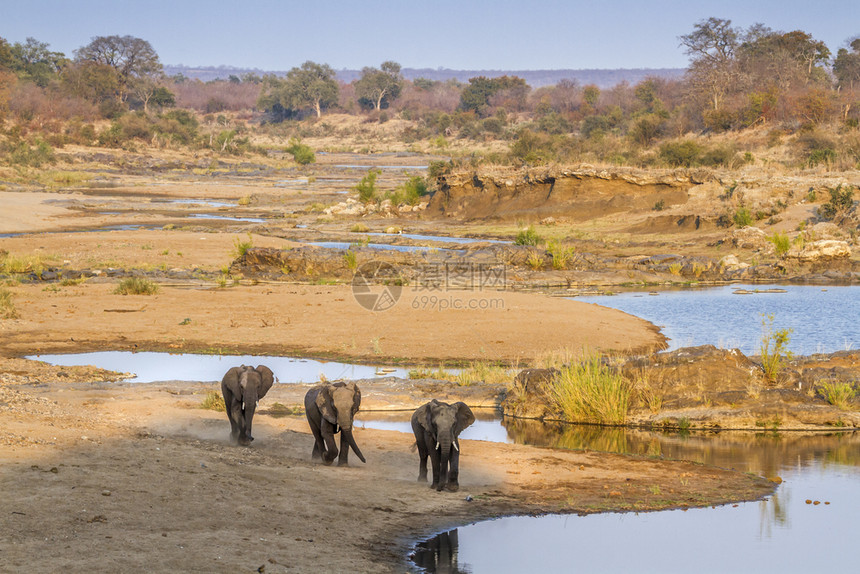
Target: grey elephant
[(436, 426), (331, 408), (242, 387)]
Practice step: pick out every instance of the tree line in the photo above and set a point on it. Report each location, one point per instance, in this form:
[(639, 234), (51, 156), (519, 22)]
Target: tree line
[(737, 78)]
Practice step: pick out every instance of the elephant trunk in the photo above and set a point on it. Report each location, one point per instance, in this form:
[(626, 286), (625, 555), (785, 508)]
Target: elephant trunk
[(350, 440), (249, 405), (444, 442)]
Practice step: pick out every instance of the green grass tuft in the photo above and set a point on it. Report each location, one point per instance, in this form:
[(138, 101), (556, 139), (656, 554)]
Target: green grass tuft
[(591, 391)]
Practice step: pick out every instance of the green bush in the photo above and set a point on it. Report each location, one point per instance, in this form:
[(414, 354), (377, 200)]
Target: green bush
[(302, 154), (781, 243), (742, 217), (366, 188), (136, 286), (25, 154), (410, 192), (681, 153), (841, 200), (839, 395), (241, 247), (528, 236)]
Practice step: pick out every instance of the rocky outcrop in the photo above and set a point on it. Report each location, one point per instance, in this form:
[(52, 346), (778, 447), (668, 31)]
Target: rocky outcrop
[(707, 387), (822, 249), (576, 194)]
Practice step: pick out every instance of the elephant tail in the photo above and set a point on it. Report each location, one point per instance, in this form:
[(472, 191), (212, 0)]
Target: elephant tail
[(414, 447)]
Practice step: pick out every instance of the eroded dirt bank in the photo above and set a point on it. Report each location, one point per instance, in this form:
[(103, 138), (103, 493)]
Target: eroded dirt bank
[(103, 476)]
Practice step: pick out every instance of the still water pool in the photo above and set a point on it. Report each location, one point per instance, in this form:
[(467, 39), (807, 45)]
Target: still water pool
[(822, 319), (150, 367)]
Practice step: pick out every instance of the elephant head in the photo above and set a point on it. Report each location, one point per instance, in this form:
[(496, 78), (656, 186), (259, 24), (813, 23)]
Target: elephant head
[(242, 388), (437, 426), (331, 408)]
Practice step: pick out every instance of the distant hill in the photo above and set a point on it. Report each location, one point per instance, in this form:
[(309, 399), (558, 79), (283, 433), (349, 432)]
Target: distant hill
[(534, 78)]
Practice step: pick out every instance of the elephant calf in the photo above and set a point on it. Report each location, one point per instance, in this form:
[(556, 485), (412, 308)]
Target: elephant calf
[(331, 408), (242, 387), (436, 426)]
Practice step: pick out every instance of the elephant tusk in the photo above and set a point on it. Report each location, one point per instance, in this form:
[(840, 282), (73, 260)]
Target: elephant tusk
[(437, 445), (456, 446)]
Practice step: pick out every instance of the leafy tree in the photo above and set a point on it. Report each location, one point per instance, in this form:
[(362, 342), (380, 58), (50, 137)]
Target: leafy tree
[(33, 61), (379, 87), (477, 95), (846, 67), (312, 86), (90, 81), (131, 58)]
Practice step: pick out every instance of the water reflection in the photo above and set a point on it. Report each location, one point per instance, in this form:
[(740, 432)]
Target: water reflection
[(439, 554), (781, 534)]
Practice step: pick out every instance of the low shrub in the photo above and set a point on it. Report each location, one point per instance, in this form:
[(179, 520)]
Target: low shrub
[(839, 395), (528, 236), (781, 243), (742, 217), (302, 153), (366, 188), (241, 247), (136, 286)]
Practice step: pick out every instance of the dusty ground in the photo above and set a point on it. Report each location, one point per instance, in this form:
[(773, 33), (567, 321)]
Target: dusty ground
[(118, 477)]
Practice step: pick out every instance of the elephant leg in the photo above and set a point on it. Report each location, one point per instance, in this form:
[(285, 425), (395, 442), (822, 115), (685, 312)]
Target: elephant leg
[(422, 459), (329, 453), (319, 446), (454, 472), (430, 445), (228, 406), (342, 459)]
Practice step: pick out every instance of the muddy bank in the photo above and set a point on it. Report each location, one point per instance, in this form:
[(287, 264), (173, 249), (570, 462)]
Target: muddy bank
[(709, 388)]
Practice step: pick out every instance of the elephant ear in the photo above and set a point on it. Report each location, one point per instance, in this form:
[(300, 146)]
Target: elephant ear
[(231, 381), (464, 416), (356, 397), (427, 419), (267, 378), (325, 404)]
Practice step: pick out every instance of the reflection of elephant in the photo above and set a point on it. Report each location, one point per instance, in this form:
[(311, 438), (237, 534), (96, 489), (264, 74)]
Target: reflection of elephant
[(242, 387), (439, 554), (436, 426), (330, 408)]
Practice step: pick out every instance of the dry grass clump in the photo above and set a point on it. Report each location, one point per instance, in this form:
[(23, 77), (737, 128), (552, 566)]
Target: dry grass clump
[(590, 391), (7, 306), (213, 401), (136, 286)]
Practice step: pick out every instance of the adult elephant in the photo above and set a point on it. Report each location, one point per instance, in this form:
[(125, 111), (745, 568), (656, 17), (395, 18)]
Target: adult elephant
[(242, 387), (330, 408), (436, 426)]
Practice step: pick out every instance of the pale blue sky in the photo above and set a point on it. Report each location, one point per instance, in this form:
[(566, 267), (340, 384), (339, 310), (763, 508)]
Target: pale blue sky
[(457, 34)]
